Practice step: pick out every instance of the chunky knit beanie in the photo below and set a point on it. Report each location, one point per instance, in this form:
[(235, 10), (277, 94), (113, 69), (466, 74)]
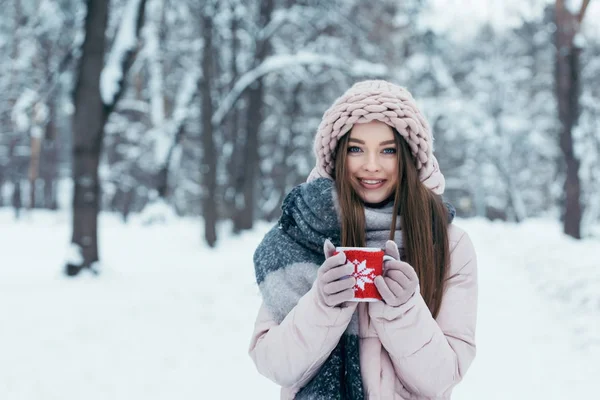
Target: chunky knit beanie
[(383, 101)]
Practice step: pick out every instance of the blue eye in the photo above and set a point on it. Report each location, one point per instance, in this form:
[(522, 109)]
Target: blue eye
[(389, 150), (353, 149)]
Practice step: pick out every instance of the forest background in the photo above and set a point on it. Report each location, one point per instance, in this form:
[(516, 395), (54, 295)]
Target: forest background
[(209, 108)]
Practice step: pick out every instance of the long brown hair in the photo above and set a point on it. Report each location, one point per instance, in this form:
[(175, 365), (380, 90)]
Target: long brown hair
[(424, 220)]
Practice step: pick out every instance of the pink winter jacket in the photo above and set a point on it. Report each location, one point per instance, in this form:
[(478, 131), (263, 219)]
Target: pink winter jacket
[(404, 352)]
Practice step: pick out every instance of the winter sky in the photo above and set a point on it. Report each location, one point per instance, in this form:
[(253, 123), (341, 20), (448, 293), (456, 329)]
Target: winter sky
[(467, 15)]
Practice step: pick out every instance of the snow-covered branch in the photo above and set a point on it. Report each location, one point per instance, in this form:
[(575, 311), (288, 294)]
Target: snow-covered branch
[(280, 62), (164, 136), (113, 74)]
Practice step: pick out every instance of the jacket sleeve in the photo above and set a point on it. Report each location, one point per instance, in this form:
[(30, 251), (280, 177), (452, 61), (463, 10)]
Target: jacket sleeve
[(430, 356), (291, 353)]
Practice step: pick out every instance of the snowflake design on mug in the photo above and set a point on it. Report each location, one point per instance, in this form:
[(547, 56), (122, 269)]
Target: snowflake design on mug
[(363, 274)]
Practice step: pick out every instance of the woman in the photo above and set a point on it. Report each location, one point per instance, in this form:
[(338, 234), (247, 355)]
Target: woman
[(376, 184)]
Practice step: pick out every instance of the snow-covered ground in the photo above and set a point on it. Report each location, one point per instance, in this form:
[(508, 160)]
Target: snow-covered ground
[(169, 318)]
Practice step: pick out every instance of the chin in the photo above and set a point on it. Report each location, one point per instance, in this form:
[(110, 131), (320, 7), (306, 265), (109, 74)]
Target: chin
[(375, 198)]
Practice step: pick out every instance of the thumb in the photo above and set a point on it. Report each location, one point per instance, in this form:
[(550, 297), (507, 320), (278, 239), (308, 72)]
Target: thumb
[(391, 249), (328, 248)]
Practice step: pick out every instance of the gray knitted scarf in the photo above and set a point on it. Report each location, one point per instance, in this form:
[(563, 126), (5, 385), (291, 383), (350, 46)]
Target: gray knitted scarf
[(286, 263)]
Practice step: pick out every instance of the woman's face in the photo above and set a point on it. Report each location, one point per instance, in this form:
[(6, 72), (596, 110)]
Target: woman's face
[(371, 162)]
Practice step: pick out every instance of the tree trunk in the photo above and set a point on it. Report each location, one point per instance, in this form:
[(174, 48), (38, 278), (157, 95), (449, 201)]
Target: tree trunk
[(251, 155), (50, 175), (91, 114), (162, 176), (567, 92), (16, 198), (253, 121), (2, 181), (88, 131), (234, 164), (209, 167), (49, 161), (127, 203), (282, 173), (34, 167)]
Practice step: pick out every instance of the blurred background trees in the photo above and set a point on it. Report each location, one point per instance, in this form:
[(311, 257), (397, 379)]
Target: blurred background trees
[(209, 108)]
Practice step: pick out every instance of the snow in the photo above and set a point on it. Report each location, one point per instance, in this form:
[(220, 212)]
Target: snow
[(579, 41), (74, 255), (157, 211), (22, 109), (171, 318), (574, 6), (126, 39), (50, 8)]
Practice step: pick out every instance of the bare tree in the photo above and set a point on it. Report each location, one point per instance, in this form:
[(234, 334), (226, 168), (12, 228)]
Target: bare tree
[(209, 165), (254, 117), (567, 91), (93, 105)]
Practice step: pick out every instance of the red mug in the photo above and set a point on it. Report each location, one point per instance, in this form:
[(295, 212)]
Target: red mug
[(368, 264)]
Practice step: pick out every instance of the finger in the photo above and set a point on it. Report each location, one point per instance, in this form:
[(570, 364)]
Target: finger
[(394, 287), (339, 272), (391, 265), (399, 278), (332, 262), (394, 264), (339, 286), (404, 267), (341, 297), (408, 270), (383, 289), (328, 248), (391, 249)]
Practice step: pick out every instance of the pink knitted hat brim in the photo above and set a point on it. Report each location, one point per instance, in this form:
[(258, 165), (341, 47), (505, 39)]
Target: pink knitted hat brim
[(382, 101)]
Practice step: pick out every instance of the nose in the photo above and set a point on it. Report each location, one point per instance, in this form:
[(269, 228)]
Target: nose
[(372, 163)]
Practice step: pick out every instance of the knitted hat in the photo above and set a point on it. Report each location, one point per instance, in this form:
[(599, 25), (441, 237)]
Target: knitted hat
[(383, 101)]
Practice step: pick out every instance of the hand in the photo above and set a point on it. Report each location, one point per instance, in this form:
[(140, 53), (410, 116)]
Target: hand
[(333, 284), (399, 281)]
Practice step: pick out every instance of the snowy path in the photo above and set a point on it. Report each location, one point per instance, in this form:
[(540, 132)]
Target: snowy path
[(160, 325), (524, 351)]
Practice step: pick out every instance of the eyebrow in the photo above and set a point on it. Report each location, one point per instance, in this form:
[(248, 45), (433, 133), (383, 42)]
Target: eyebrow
[(381, 144)]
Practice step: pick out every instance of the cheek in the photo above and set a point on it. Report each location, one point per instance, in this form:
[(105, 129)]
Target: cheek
[(352, 164), (391, 167)]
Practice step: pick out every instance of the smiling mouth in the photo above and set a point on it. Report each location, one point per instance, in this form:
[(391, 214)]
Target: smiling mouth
[(371, 183)]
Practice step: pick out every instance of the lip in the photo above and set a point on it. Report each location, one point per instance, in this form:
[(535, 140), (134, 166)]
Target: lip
[(371, 183)]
